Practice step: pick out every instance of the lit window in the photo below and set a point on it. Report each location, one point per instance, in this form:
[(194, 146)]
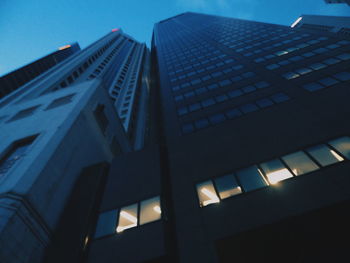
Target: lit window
[(342, 145), (127, 218), (251, 178), (318, 66), (275, 171), (106, 224), (150, 210), (207, 194), (290, 75), (299, 163), (324, 155), (227, 186)]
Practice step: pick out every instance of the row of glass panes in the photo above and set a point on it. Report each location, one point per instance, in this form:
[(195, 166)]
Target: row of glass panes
[(222, 64), (232, 94), (233, 113), (327, 82), (302, 46), (118, 220), (316, 66), (274, 171)]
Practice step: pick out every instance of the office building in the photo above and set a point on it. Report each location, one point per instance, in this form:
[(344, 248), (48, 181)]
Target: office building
[(251, 157), (59, 132), (21, 76), (337, 2), (336, 24)]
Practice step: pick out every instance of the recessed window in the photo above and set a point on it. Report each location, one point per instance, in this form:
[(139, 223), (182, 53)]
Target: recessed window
[(275, 171), (24, 113), (101, 117), (342, 145), (15, 153), (207, 194), (343, 76), (299, 163), (150, 210), (60, 101), (251, 178), (106, 224), (328, 81), (313, 87), (324, 155), (227, 186), (127, 218)]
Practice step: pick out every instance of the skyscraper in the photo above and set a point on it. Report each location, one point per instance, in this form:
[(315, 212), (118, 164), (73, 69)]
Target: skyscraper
[(58, 134), (251, 158), (23, 75), (338, 2), (336, 24)]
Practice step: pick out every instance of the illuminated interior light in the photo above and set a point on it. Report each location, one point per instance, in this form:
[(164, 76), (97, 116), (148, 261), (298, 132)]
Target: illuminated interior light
[(122, 228), (157, 209), (337, 156), (64, 47), (211, 195), (263, 177), (296, 22), (279, 175), (115, 29), (128, 216)]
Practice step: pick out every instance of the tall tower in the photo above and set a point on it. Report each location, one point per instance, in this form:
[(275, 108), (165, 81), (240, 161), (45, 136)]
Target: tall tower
[(21, 76), (59, 133), (337, 2), (252, 153)]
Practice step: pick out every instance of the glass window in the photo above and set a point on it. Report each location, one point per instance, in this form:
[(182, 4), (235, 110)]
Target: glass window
[(60, 101), (207, 194), (213, 86), (324, 155), (299, 163), (318, 66), (251, 178), (345, 56), (182, 111), (194, 107), (250, 107), (313, 87), (331, 61), (127, 218), (263, 103), (208, 102), (24, 113), (106, 224), (262, 84), (225, 82), (342, 145), (201, 90), (290, 75), (272, 66), (16, 152), (221, 98), (328, 81), (303, 71), (275, 171), (188, 128), (202, 123), (233, 113), (227, 186), (217, 118), (279, 97), (235, 93), (249, 89), (150, 210), (343, 76)]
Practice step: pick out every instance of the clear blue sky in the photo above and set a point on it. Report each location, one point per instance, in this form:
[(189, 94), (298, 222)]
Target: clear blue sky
[(30, 29)]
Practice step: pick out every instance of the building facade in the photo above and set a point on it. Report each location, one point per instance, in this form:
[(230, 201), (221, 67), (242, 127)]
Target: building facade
[(59, 132), (21, 76), (251, 158), (339, 25)]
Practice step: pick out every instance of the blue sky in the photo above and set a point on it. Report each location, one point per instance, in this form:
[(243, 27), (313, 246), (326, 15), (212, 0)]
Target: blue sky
[(30, 29)]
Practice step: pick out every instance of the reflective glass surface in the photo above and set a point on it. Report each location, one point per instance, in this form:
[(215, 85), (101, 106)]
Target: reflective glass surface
[(150, 210), (227, 186), (299, 163), (251, 179)]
